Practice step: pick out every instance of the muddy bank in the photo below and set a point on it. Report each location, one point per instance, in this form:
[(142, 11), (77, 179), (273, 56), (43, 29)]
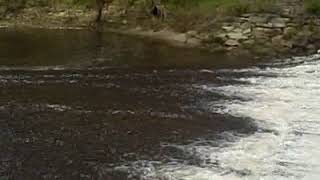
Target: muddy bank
[(47, 18)]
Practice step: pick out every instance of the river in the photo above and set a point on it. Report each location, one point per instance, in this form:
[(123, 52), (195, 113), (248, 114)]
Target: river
[(90, 105)]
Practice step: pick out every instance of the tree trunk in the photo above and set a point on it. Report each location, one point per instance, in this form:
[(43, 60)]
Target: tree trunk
[(100, 5), (157, 9)]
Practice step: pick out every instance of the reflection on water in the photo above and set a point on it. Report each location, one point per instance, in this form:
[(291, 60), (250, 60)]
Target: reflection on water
[(86, 48), (86, 105)]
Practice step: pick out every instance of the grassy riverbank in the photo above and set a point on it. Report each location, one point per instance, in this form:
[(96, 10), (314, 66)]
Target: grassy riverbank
[(217, 7), (258, 27)]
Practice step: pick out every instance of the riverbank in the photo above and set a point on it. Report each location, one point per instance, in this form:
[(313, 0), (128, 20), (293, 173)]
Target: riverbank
[(275, 32), (88, 105)]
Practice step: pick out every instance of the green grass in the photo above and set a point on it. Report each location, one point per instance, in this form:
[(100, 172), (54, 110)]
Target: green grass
[(312, 6)]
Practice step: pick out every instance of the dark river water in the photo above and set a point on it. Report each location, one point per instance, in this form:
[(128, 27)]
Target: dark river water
[(101, 106)]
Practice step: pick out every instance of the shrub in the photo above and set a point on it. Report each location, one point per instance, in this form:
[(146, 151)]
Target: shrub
[(312, 6)]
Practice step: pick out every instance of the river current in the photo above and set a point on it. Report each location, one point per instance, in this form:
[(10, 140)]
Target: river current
[(86, 105), (283, 99)]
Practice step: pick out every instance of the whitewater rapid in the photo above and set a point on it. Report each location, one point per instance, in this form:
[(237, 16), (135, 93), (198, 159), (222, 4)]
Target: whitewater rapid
[(282, 98)]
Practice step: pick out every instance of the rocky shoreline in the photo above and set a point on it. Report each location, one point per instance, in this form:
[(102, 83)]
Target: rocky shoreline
[(253, 34), (271, 33)]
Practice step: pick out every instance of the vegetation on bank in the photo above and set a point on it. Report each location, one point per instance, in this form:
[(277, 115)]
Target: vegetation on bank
[(221, 25), (203, 6), (226, 6), (312, 6), (184, 7)]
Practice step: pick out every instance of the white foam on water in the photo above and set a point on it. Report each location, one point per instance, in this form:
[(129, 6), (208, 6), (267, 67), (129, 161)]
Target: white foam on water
[(287, 103)]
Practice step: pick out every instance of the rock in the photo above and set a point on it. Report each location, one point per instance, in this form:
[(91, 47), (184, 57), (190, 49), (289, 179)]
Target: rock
[(311, 47), (284, 43), (204, 36), (221, 35), (237, 30), (258, 19), (292, 24), (2, 10), (230, 48), (279, 22), (315, 37), (228, 28), (316, 22), (301, 42), (85, 176), (192, 33), (245, 25), (232, 42), (245, 28), (247, 31), (265, 25), (59, 143), (243, 19), (249, 42), (3, 26), (279, 41), (124, 22), (260, 32), (218, 40), (193, 41), (237, 36), (286, 12), (110, 21), (289, 31), (307, 30), (279, 25), (246, 15), (304, 33), (61, 14), (281, 19), (318, 51), (178, 37)]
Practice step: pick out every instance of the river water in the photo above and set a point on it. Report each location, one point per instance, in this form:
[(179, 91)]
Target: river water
[(88, 105)]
